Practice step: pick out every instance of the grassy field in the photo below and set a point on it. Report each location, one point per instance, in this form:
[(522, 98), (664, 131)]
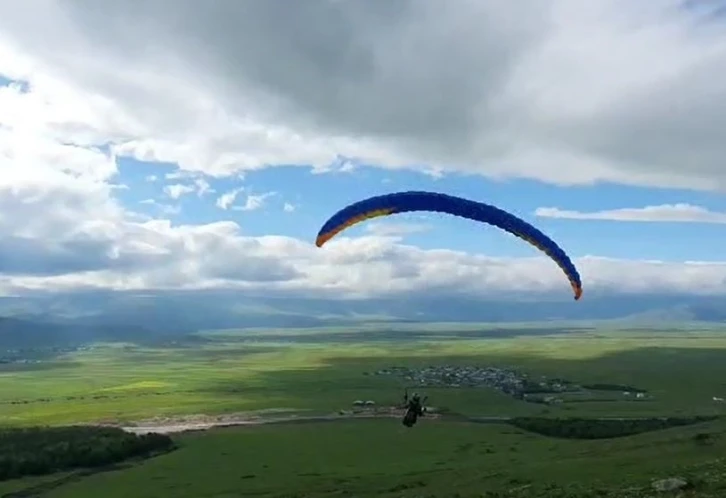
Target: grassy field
[(376, 458), (233, 373), (325, 370)]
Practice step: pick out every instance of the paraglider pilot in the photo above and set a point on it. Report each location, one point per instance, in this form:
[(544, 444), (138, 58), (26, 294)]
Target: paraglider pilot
[(414, 410)]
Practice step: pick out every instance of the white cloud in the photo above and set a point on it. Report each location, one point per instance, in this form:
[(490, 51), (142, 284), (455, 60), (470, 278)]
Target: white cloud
[(180, 175), (165, 209), (254, 202), (395, 229), (155, 255), (288, 208), (339, 164), (685, 213), (178, 190), (200, 186), (226, 200), (203, 187), (546, 89)]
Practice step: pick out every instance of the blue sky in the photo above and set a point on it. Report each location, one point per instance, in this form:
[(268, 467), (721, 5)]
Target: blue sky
[(572, 109), (316, 196)]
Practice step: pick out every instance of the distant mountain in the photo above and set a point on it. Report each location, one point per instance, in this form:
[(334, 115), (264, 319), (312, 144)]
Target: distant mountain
[(123, 314), (32, 334), (20, 334)]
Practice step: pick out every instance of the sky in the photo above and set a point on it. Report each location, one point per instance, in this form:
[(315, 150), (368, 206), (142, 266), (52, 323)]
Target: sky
[(174, 144)]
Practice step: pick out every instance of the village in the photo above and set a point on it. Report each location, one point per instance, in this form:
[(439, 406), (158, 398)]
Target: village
[(508, 381)]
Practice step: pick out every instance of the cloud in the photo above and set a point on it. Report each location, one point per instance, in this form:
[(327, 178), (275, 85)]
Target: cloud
[(203, 187), (395, 229), (155, 255), (226, 200), (288, 208), (200, 186), (254, 202), (684, 213), (178, 190), (338, 165), (165, 209), (551, 90), (180, 175), (543, 89)]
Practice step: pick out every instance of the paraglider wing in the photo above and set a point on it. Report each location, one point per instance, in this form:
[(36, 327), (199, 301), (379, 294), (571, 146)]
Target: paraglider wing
[(402, 202)]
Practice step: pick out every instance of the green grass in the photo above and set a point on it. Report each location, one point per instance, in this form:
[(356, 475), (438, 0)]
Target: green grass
[(383, 459), (123, 382), (323, 371), (18, 485)]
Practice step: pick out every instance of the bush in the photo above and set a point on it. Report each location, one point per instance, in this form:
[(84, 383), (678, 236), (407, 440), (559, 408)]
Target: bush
[(582, 428), (44, 450)]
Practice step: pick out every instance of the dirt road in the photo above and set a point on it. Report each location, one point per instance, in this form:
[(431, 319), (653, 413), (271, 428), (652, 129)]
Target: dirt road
[(205, 422)]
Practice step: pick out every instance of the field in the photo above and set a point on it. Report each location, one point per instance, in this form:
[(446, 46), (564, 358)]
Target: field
[(380, 458), (319, 372)]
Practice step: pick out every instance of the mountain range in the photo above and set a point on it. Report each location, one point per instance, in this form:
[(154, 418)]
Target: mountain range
[(86, 316)]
